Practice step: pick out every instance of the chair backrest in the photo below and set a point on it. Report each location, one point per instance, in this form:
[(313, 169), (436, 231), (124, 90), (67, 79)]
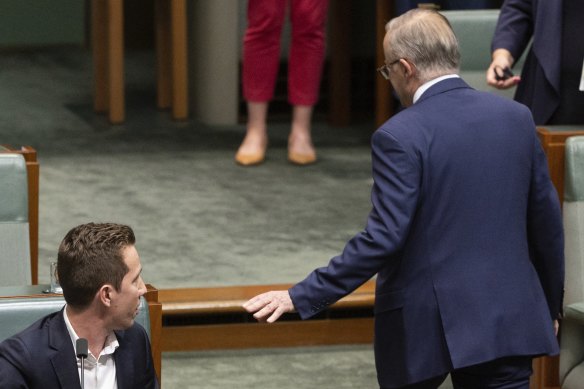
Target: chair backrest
[(474, 30), (18, 313), (14, 227), (573, 212)]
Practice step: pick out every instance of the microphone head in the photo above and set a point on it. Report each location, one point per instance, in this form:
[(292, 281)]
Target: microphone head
[(81, 347)]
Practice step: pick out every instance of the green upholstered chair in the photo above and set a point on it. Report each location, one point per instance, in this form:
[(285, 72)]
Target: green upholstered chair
[(14, 226), (17, 313), (572, 328), (474, 30)]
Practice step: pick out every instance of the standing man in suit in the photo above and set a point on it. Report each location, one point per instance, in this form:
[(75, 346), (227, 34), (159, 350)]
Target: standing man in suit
[(465, 233), (552, 79), (100, 273)]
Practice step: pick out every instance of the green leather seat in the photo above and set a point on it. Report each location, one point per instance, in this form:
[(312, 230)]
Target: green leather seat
[(14, 228), (474, 30), (572, 332)]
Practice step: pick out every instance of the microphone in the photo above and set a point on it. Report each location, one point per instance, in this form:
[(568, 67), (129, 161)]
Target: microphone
[(81, 347)]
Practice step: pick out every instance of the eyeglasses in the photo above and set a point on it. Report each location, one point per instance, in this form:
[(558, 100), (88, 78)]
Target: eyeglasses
[(385, 69)]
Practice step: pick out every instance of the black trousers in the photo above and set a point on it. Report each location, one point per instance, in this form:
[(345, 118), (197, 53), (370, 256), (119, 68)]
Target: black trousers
[(503, 373)]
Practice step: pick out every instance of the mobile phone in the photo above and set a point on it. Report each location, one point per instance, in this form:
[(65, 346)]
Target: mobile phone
[(502, 74)]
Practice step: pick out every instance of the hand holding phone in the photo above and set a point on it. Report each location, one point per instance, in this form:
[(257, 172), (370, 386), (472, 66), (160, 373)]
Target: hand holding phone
[(502, 74)]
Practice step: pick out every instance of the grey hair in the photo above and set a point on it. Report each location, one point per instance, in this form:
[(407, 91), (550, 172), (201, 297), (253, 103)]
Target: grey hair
[(426, 39)]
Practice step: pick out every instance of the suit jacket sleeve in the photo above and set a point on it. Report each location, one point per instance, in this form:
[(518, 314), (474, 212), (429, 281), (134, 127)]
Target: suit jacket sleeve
[(546, 233), (13, 364), (150, 373), (514, 28), (394, 198)]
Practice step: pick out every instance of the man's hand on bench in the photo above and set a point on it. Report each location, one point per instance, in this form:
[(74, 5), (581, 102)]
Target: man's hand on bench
[(269, 306)]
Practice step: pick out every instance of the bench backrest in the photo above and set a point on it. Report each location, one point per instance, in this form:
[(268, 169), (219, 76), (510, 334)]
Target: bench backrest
[(474, 30), (14, 228), (18, 313)]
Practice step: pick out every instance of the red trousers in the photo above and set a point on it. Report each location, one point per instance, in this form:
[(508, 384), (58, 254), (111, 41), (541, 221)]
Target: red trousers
[(261, 49)]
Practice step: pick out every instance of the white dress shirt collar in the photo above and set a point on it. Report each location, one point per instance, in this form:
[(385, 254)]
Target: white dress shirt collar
[(424, 87)]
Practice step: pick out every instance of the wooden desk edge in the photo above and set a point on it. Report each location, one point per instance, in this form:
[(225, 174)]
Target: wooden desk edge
[(230, 299)]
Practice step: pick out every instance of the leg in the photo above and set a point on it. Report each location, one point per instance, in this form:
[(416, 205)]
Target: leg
[(503, 373), (300, 148), (307, 50), (253, 148), (261, 48), (261, 56), (305, 70)]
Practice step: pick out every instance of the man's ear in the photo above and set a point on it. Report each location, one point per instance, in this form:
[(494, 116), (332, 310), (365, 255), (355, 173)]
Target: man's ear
[(105, 294), (409, 68)]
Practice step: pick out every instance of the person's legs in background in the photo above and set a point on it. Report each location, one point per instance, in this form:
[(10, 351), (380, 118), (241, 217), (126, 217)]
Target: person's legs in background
[(306, 60), (261, 57)]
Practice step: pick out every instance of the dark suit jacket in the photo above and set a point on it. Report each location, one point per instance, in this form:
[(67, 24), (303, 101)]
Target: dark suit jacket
[(42, 356), (465, 234), (519, 21)]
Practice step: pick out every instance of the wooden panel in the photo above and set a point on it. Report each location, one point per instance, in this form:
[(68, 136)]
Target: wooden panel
[(554, 146), (162, 19), (98, 46), (340, 63), (383, 91), (179, 77), (155, 311), (115, 61), (32, 170), (279, 334)]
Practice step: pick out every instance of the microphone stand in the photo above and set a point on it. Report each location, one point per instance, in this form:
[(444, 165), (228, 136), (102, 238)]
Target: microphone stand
[(81, 347)]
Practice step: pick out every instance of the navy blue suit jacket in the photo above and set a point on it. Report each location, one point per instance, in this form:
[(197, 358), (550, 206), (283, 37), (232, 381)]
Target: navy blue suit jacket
[(465, 236), (519, 21), (42, 356)]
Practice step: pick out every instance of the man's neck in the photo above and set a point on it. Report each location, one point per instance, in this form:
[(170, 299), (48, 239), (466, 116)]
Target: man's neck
[(89, 324)]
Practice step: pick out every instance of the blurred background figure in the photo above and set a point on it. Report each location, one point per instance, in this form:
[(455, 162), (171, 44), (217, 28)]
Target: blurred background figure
[(551, 80), (261, 58)]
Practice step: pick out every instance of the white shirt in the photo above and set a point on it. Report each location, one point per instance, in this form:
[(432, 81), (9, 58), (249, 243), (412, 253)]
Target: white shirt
[(100, 372), (424, 87)]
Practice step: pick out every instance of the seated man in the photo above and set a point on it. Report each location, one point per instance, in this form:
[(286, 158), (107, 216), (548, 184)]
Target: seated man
[(99, 270)]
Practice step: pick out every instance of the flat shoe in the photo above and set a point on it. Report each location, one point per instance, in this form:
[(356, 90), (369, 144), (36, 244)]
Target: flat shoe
[(301, 159), (250, 159)]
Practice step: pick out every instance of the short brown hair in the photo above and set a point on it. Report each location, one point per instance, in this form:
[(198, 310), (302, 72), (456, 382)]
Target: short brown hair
[(90, 256)]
